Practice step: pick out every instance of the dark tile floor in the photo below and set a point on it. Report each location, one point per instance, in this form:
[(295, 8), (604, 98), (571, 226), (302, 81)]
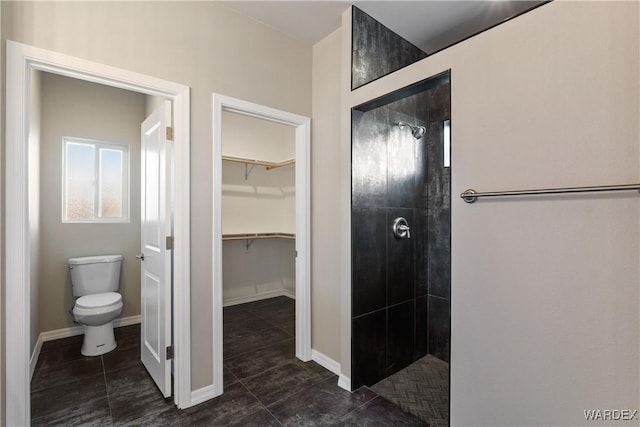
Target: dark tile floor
[(265, 385)]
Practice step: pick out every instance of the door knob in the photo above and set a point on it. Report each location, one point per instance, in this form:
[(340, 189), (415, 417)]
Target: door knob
[(401, 229), (140, 257)]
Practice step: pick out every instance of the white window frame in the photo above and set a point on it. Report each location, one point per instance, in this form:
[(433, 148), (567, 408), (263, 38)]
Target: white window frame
[(124, 148)]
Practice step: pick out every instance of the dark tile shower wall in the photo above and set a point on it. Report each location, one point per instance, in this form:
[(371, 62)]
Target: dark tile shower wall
[(377, 51), (400, 288), (436, 197)]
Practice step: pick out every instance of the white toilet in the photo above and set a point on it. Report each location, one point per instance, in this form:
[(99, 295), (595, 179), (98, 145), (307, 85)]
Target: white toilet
[(95, 281)]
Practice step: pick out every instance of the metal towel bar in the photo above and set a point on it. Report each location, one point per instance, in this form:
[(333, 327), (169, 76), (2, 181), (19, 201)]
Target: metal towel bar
[(471, 195)]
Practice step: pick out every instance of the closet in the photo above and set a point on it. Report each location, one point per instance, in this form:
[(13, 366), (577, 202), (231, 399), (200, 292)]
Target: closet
[(258, 209)]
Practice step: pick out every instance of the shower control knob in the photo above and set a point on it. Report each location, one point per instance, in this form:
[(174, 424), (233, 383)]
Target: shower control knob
[(401, 229)]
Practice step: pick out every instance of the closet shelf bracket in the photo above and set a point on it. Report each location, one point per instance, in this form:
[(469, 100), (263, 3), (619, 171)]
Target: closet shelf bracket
[(248, 243), (248, 168)]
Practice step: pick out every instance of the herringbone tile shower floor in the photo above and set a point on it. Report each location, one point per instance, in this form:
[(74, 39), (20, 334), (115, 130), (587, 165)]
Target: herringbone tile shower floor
[(421, 389)]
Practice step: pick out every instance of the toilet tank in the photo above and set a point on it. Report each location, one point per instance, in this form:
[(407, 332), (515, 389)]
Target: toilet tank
[(95, 274)]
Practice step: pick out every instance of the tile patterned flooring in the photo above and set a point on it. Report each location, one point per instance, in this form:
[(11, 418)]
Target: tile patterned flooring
[(265, 385), (421, 389)]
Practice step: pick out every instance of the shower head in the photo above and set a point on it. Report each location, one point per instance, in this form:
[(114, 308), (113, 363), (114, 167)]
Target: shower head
[(417, 131)]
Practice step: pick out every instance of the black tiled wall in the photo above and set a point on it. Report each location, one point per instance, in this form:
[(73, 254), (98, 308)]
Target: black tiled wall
[(377, 51), (400, 288), (370, 260)]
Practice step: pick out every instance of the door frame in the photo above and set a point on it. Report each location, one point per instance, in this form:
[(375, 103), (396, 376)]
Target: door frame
[(21, 59), (302, 127)]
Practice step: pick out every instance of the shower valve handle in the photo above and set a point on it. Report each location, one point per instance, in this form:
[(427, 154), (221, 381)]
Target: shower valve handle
[(405, 229), (401, 229)]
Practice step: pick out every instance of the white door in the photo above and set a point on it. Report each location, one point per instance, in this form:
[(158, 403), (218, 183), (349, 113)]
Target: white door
[(155, 263)]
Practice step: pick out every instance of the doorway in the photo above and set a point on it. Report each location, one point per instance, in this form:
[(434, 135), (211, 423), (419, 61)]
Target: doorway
[(258, 233), (301, 127), (93, 209), (22, 60)]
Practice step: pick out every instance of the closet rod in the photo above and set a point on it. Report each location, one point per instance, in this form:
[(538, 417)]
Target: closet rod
[(472, 195)]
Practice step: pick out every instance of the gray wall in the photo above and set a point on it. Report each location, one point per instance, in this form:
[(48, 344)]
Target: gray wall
[(200, 44), (326, 218), (151, 103), (76, 108)]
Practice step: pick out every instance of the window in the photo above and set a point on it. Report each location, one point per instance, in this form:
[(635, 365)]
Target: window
[(95, 181), (447, 143)]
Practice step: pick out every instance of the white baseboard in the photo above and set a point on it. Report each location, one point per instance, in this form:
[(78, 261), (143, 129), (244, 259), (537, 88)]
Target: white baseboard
[(71, 332), (34, 356), (202, 394), (325, 361), (206, 393), (127, 321), (258, 297), (333, 366), (344, 382)]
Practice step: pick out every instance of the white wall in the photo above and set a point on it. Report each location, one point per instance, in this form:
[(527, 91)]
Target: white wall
[(199, 44), (325, 197), (265, 270), (257, 139), (544, 290), (34, 204), (86, 110), (263, 202)]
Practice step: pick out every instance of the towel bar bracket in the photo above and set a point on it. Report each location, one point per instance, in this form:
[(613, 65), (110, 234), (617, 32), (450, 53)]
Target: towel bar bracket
[(468, 196)]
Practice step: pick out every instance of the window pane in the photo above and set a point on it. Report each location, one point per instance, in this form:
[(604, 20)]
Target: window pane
[(80, 173), (111, 185)]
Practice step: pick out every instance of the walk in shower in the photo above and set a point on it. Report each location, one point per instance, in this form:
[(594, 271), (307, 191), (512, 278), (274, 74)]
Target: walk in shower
[(401, 228), (401, 232)]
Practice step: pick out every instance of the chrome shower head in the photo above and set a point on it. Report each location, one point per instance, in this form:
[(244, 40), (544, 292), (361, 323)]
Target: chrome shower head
[(417, 131)]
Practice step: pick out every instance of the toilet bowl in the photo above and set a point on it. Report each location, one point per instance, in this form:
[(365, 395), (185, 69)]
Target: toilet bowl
[(96, 312), (94, 281)]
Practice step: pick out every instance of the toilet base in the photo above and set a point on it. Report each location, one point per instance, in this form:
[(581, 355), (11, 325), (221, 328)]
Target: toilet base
[(98, 340)]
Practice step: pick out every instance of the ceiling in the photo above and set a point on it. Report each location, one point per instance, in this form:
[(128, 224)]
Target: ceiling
[(430, 25)]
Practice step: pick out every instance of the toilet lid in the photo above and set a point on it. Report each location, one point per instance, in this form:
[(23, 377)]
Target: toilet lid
[(98, 300)]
